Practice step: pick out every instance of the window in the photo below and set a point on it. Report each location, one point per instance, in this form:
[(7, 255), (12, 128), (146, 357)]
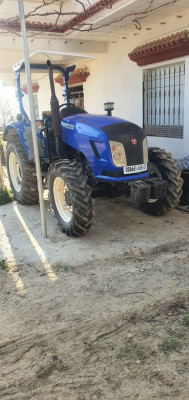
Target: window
[(164, 101), (77, 96)]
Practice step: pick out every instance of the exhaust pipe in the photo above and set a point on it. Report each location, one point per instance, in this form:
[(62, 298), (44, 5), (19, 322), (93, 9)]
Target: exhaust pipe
[(56, 120)]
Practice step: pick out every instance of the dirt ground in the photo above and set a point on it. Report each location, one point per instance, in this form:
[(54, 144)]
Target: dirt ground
[(104, 316)]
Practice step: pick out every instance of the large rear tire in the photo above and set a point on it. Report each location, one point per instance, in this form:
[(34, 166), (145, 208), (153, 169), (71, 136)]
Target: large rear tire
[(70, 197), (163, 166), (21, 173)]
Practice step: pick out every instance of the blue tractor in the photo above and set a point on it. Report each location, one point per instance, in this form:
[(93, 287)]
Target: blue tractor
[(81, 153)]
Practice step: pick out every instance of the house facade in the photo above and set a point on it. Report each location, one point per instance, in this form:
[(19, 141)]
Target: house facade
[(141, 64), (154, 96)]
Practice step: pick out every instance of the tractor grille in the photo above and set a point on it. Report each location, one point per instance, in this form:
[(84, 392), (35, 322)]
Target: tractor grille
[(124, 133)]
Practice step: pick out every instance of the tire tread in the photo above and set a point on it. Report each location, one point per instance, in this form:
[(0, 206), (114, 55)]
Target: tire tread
[(72, 174), (29, 191), (169, 172)]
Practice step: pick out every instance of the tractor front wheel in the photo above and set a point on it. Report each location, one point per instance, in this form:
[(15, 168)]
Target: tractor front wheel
[(70, 197), (163, 166), (21, 173)]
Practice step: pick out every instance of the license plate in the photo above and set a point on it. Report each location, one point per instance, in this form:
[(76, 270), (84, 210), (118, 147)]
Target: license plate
[(132, 169)]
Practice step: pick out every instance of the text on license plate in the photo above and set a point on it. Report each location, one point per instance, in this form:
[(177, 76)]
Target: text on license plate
[(131, 169)]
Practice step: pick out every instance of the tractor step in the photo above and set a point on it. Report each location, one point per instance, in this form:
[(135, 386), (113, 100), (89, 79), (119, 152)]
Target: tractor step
[(143, 190)]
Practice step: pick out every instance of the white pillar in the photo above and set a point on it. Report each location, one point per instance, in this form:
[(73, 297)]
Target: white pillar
[(32, 113)]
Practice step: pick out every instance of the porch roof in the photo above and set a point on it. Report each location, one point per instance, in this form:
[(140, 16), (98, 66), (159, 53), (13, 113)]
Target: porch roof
[(166, 48)]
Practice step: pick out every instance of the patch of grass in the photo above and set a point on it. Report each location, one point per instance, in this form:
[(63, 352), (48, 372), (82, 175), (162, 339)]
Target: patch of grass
[(134, 353), (176, 335), (6, 196), (120, 356), (4, 265), (169, 344), (59, 266), (186, 321), (140, 353), (124, 352)]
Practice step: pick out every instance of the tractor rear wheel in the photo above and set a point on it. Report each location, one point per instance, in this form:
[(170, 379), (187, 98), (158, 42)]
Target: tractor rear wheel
[(21, 173), (163, 166), (70, 197)]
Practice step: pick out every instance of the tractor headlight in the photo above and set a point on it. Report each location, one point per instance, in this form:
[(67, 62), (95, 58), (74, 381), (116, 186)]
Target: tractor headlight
[(118, 154), (145, 151)]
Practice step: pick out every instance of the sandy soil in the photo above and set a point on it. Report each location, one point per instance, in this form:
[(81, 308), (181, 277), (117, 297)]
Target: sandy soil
[(104, 316)]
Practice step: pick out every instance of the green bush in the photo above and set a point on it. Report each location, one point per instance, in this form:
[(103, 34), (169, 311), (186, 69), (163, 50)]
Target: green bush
[(5, 196), (2, 154)]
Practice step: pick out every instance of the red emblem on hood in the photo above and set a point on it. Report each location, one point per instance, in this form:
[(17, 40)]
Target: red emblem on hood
[(133, 141)]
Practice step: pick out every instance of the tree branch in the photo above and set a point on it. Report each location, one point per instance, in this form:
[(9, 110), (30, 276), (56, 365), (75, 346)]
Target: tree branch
[(74, 25), (146, 12)]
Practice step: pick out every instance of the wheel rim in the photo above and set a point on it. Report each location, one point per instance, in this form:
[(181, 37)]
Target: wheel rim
[(15, 171), (60, 190)]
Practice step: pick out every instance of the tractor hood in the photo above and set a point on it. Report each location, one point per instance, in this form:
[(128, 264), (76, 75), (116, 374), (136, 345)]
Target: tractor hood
[(114, 128), (91, 135), (95, 120), (106, 128)]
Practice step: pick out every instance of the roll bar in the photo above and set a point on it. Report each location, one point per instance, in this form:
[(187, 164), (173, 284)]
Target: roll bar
[(66, 73)]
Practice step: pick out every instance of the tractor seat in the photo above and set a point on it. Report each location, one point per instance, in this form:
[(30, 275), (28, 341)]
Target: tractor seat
[(71, 110)]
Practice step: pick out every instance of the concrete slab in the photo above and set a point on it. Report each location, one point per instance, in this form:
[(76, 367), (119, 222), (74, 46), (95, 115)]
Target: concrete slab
[(119, 228)]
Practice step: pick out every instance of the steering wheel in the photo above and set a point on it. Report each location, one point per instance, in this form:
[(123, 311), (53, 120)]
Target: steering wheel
[(66, 105)]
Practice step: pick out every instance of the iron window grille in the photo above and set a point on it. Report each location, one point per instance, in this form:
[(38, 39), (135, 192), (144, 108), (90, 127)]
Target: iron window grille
[(163, 101)]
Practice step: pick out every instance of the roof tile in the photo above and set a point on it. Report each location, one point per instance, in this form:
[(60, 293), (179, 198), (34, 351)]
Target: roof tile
[(168, 47)]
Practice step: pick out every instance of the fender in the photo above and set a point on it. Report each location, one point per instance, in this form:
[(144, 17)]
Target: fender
[(24, 131)]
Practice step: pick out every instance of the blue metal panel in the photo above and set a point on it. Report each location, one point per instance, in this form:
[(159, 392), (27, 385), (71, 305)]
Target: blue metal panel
[(124, 178), (96, 120), (23, 129), (78, 130)]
